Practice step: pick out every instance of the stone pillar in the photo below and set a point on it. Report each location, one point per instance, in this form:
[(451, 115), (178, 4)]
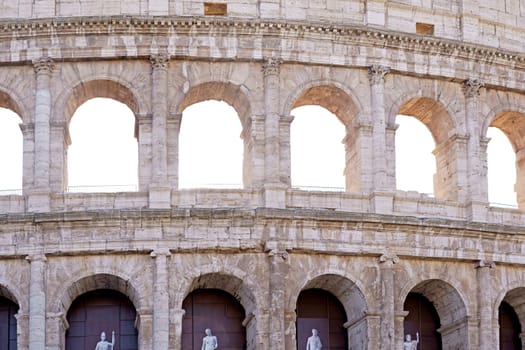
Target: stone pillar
[(176, 316), (387, 301), (161, 315), (60, 140), (57, 326), (290, 330), (144, 144), (254, 153), (144, 326), (274, 189), (358, 161), (22, 330), (159, 191), (37, 302), (400, 328), (39, 199), (173, 128), (28, 132), (278, 273), (391, 156), (285, 163), (475, 182), (376, 75), (486, 332)]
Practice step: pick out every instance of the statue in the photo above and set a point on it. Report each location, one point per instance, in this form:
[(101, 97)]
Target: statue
[(314, 342), (410, 344), (209, 342), (103, 344)]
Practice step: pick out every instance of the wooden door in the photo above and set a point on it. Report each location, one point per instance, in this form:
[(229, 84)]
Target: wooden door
[(101, 311), (319, 309), (218, 311), (509, 328), (423, 318), (8, 309)]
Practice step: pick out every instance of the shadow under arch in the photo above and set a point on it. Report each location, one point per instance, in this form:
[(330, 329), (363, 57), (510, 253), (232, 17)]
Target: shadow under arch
[(512, 124), (10, 294), (514, 297), (95, 282), (9, 102), (450, 307), (327, 94), (439, 121), (354, 303), (230, 93)]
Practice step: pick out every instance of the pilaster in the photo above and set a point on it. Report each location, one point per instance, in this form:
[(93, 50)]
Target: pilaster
[(161, 315), (37, 302), (278, 258), (39, 200), (173, 131), (486, 331), (159, 190), (387, 262), (144, 129), (275, 190)]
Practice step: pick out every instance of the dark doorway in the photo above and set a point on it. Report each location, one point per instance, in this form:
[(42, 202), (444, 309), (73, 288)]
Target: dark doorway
[(217, 310), (319, 309), (101, 311), (509, 328), (423, 318), (8, 309)]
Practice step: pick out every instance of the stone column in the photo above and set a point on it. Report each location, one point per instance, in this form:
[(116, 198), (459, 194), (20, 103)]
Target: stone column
[(486, 332), (376, 75), (173, 128), (144, 326), (37, 302), (387, 301), (274, 190), (176, 316), (60, 140), (285, 163), (39, 201), (290, 330), (254, 153), (28, 132), (278, 273), (144, 143), (159, 191), (161, 315)]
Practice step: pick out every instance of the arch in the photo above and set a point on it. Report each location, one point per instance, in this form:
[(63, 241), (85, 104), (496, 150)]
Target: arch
[(93, 282), (235, 95), (512, 123), (108, 87), (9, 100), (434, 114), (228, 283), (515, 298), (505, 111), (331, 95), (10, 294), (509, 327)]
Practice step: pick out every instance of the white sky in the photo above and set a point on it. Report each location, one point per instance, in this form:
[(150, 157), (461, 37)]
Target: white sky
[(102, 156)]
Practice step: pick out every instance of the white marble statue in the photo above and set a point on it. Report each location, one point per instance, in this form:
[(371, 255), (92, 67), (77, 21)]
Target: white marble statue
[(410, 344), (209, 342), (103, 344), (314, 342)]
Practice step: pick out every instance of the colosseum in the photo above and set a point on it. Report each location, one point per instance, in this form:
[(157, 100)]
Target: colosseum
[(264, 265)]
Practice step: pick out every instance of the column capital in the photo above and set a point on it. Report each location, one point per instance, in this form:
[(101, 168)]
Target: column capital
[(279, 253), (160, 252), (43, 65), (272, 66), (376, 74), (471, 87), (36, 258), (159, 61), (485, 263), (389, 259)]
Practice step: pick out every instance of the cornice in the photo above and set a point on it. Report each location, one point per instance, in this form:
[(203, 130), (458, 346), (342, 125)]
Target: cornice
[(341, 34)]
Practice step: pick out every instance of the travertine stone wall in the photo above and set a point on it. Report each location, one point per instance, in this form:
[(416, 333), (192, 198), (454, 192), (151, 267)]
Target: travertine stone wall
[(369, 246)]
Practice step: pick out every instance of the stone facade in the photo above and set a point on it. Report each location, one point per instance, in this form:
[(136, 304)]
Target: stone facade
[(369, 246)]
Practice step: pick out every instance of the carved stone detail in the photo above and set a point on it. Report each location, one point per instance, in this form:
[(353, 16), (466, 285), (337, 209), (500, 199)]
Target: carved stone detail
[(471, 87), (376, 74), (272, 66), (43, 65), (160, 61)]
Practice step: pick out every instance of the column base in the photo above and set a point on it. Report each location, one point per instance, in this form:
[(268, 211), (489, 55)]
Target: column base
[(382, 203), (159, 197), (275, 195), (477, 211), (38, 202)]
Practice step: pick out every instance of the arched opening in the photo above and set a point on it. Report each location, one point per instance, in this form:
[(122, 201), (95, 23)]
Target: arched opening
[(8, 325), (11, 152), (436, 308), (210, 146), (321, 311), (509, 328), (103, 155), (501, 169), (100, 311), (317, 156), (317, 152), (422, 319), (415, 163), (217, 311), (512, 125), (434, 116)]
